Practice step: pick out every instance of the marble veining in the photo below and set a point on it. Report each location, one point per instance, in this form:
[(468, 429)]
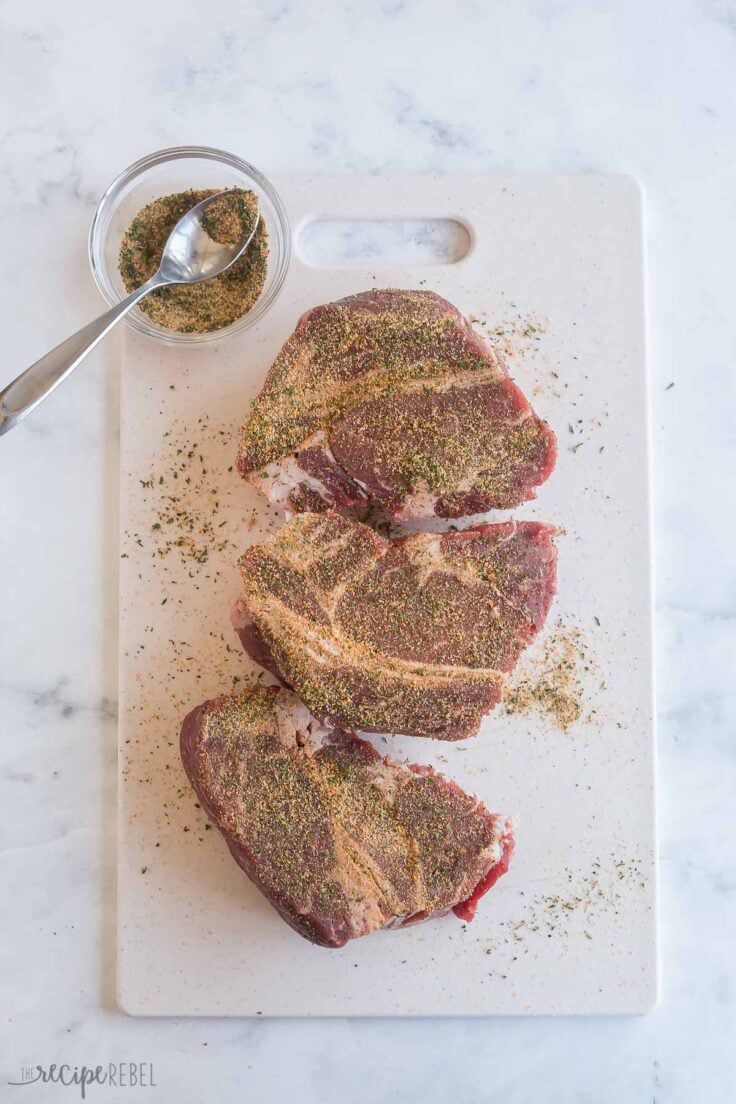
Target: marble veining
[(346, 87)]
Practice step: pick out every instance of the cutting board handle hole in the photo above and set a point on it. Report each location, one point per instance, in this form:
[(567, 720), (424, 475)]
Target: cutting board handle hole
[(368, 242)]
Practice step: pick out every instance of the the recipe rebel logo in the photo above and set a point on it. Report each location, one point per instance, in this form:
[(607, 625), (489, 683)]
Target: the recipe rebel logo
[(119, 1075)]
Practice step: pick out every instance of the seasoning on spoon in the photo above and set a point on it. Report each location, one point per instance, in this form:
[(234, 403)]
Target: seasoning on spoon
[(212, 304)]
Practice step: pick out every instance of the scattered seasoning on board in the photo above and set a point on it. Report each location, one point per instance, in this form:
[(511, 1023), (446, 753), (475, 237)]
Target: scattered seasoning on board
[(184, 501), (577, 903), (189, 528), (554, 687), (212, 304), (516, 337)]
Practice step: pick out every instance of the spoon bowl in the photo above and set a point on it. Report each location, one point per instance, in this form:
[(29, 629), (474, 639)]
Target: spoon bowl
[(191, 255)]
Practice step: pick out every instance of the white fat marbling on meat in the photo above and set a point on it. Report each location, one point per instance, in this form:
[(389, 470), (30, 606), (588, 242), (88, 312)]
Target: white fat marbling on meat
[(291, 720), (429, 559), (502, 827), (395, 922), (239, 616), (495, 851), (364, 916), (417, 505), (279, 478), (296, 725), (333, 649), (457, 381), (385, 780)]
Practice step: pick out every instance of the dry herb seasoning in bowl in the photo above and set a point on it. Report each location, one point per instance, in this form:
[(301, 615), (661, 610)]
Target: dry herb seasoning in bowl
[(160, 188), (215, 303)]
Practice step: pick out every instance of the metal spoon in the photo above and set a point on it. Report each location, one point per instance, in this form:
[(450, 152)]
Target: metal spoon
[(190, 256)]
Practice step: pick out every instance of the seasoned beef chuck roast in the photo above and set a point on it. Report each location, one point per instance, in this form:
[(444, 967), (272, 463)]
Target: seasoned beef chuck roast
[(391, 397), (414, 635), (340, 841)]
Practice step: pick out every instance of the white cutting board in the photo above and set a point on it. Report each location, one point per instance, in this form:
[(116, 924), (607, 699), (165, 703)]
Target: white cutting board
[(572, 927)]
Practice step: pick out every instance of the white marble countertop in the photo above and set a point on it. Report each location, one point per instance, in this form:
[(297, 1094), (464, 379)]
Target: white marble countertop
[(391, 86)]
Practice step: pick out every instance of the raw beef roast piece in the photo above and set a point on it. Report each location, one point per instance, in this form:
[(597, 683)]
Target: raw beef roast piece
[(413, 635), (340, 841), (391, 396)]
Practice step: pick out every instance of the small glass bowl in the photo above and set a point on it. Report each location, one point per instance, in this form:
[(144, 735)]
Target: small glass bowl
[(176, 170)]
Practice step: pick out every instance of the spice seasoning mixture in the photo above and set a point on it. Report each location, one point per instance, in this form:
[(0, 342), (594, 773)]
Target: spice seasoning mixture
[(554, 687), (572, 902), (211, 304)]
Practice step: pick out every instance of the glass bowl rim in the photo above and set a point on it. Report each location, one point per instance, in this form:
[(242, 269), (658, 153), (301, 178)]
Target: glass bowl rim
[(107, 202)]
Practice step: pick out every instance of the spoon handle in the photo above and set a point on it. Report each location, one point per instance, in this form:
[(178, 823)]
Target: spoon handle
[(25, 392)]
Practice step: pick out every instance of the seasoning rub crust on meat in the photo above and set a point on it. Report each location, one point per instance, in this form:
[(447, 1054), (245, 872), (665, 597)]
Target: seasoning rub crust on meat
[(341, 841), (414, 636), (390, 396)]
